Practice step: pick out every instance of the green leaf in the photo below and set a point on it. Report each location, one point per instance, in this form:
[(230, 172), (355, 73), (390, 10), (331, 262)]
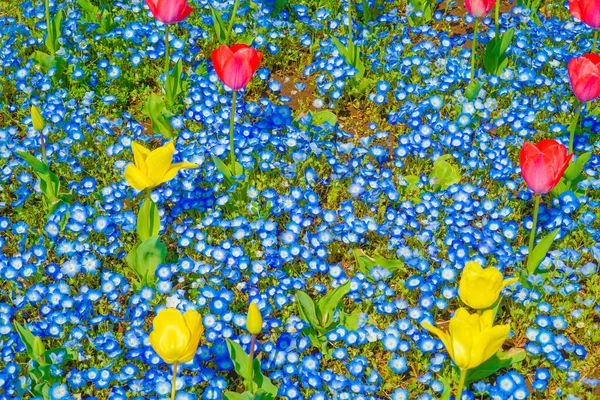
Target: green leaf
[(365, 264), (38, 166), (88, 8), (497, 362), (33, 344), (307, 309), (148, 220), (472, 89), (221, 31), (424, 6), (221, 167), (238, 396), (160, 116), (175, 86), (264, 384), (539, 251), (247, 40), (145, 257), (329, 303), (443, 173), (447, 388), (47, 62), (350, 321), (53, 33), (340, 47), (239, 358), (320, 117), (575, 169)]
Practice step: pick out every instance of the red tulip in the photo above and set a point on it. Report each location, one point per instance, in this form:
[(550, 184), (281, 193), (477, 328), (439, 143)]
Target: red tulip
[(235, 65), (543, 164), (587, 11), (584, 73), (479, 8), (169, 11)]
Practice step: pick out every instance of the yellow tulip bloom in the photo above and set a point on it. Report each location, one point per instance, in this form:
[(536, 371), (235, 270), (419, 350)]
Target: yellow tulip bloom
[(472, 338), (254, 319), (36, 119), (176, 337), (479, 288), (153, 167)]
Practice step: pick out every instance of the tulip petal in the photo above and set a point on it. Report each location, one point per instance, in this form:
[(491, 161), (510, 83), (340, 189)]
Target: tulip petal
[(509, 281), (170, 336), (140, 153), (462, 342), (153, 6), (136, 178), (496, 336), (575, 9), (443, 336), (159, 162), (538, 173), (219, 56), (590, 13), (176, 168), (193, 320), (584, 75)]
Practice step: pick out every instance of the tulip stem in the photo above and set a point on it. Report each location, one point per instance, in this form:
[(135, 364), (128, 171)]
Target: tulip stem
[(251, 365), (231, 124), (595, 40), (47, 5), (350, 25), (174, 381), (574, 126), (536, 210), (474, 48), (43, 147), (167, 63), (233, 14), (497, 17), (461, 383)]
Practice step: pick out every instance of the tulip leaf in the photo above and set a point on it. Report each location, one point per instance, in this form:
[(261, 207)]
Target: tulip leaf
[(148, 220), (160, 117), (38, 166), (539, 251), (495, 363), (263, 383), (174, 84), (240, 363), (495, 58), (472, 89), (325, 116), (145, 257), (46, 62), (444, 174), (247, 40), (54, 33), (425, 8), (329, 303), (29, 340), (447, 388), (575, 169), (350, 321), (221, 31), (239, 358), (307, 309)]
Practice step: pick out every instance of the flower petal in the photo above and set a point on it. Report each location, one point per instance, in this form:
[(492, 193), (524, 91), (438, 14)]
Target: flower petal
[(159, 162), (193, 320), (170, 336), (176, 168), (136, 178), (140, 153)]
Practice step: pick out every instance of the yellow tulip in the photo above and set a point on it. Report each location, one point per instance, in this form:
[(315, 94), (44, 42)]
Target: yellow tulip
[(153, 167), (479, 288), (176, 337), (472, 338), (254, 319), (36, 119)]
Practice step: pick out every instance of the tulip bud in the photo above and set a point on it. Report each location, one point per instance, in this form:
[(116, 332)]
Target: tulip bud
[(36, 119), (38, 348), (254, 319)]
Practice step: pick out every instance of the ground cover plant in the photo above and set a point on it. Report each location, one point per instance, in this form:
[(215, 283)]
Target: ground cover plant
[(283, 199)]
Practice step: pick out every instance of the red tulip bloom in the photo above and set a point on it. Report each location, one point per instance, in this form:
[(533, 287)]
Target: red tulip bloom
[(584, 74), (479, 8), (587, 11), (543, 164), (169, 11), (235, 65)]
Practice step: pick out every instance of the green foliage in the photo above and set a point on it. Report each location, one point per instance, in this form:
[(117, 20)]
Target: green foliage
[(351, 54), (175, 83), (144, 258), (426, 7), (264, 388), (102, 15), (320, 315), (365, 264), (160, 116), (54, 33), (42, 360), (472, 89), (323, 116), (238, 183), (495, 58), (497, 362), (539, 252), (572, 176), (46, 62), (221, 31), (148, 220), (444, 173), (534, 6), (49, 183)]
